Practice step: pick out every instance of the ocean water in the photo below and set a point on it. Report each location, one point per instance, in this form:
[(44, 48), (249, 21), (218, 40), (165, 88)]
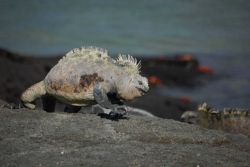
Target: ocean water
[(229, 87), (216, 31)]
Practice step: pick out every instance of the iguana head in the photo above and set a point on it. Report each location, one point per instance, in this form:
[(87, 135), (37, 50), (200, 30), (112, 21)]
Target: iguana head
[(202, 114), (190, 117), (130, 83), (132, 87)]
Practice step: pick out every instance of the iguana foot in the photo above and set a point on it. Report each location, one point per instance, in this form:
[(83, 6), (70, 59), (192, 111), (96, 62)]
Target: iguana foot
[(119, 112), (30, 105), (110, 111), (112, 116), (29, 96), (115, 116)]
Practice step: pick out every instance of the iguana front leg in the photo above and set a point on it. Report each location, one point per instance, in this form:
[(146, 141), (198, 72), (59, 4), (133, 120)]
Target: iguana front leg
[(114, 111)]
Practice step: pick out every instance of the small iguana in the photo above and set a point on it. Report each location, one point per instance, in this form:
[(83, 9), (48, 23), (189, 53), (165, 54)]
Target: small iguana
[(228, 119), (86, 76)]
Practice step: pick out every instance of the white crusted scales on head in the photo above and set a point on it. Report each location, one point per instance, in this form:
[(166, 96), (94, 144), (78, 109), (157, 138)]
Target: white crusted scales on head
[(129, 61)]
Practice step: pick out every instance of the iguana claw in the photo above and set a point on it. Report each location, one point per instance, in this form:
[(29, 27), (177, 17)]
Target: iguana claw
[(117, 113)]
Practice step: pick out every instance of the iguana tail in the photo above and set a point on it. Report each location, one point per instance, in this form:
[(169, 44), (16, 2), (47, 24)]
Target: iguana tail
[(32, 93)]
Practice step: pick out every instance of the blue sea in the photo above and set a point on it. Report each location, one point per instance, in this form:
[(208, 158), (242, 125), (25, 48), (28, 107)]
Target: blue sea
[(217, 32)]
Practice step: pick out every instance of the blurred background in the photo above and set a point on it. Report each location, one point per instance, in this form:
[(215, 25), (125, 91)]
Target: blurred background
[(215, 33)]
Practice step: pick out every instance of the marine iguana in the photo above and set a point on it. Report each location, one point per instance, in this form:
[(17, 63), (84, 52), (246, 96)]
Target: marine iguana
[(86, 76), (228, 119)]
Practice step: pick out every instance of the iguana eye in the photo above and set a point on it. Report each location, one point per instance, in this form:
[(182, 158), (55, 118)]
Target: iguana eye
[(140, 82)]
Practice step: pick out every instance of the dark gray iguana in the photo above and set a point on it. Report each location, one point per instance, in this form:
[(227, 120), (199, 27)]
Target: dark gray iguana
[(228, 119), (86, 76)]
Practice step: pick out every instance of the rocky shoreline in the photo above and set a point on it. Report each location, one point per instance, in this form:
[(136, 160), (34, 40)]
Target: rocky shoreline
[(36, 138)]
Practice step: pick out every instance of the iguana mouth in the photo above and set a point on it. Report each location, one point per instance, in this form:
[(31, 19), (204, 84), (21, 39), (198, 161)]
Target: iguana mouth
[(141, 90)]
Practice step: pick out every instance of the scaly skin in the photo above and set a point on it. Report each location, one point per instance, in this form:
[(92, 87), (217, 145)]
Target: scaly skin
[(85, 76)]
